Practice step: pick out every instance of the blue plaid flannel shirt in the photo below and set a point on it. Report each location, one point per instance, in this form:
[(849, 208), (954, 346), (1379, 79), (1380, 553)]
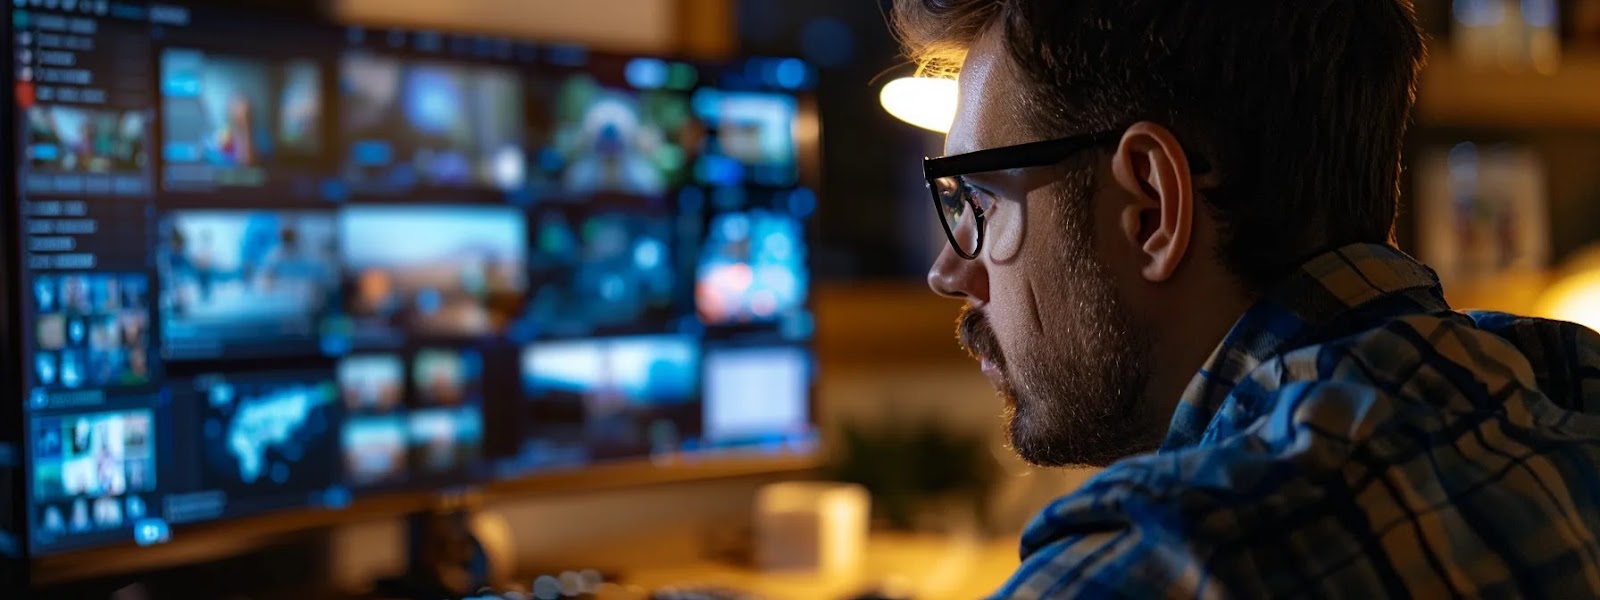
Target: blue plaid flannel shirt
[(1352, 436)]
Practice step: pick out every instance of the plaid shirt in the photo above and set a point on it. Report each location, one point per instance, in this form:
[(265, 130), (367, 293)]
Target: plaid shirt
[(1352, 436)]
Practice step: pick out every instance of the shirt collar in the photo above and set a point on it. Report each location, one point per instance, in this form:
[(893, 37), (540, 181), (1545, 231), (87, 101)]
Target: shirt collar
[(1292, 314)]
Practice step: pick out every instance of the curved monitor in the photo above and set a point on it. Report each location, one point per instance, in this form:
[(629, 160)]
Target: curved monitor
[(273, 275)]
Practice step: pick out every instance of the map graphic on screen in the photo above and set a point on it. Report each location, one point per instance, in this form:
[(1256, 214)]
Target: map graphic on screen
[(271, 434), (271, 421)]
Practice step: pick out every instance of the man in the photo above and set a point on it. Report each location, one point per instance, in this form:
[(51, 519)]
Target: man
[(1171, 221)]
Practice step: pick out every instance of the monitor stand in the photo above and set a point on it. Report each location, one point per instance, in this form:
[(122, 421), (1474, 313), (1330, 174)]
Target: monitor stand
[(444, 558)]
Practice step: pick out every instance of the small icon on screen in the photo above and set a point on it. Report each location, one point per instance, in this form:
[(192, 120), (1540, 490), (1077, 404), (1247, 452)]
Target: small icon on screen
[(336, 497), (45, 364), (149, 532), (53, 521), (80, 516)]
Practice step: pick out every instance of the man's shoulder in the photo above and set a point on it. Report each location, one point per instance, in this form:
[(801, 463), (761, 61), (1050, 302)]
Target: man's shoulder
[(1421, 365), (1224, 520), (1383, 394), (1261, 514), (1565, 356), (1354, 465)]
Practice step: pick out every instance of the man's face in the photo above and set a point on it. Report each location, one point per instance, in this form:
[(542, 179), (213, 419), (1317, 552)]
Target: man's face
[(1044, 315)]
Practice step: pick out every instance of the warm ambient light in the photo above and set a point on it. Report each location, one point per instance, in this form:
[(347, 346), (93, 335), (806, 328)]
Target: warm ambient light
[(926, 102), (1576, 297)]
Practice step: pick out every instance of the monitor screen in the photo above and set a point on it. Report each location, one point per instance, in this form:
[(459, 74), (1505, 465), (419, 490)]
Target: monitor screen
[(271, 266)]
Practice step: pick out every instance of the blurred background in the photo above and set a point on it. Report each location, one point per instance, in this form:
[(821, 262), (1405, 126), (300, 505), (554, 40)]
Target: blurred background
[(1501, 195)]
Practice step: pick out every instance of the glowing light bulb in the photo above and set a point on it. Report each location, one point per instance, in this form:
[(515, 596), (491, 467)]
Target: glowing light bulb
[(926, 102)]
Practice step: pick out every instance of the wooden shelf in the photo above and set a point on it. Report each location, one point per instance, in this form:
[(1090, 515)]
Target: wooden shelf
[(1456, 94)]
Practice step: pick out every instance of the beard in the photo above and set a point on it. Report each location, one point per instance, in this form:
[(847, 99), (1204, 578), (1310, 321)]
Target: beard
[(1074, 395)]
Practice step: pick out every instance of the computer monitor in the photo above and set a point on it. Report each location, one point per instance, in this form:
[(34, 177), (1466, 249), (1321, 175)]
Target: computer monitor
[(274, 274)]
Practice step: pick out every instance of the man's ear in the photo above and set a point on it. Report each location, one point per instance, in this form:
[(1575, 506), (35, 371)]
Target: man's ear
[(1157, 221)]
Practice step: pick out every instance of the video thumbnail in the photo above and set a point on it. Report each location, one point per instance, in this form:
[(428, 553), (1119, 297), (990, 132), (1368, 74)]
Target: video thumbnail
[(615, 372), (266, 433), (71, 139), (429, 122), (630, 389), (94, 455), (752, 268), (757, 130), (448, 377), (246, 282), (613, 271), (372, 384), (227, 118), (756, 393), (375, 450), (620, 141), (375, 437), (446, 440), (92, 330), (440, 271)]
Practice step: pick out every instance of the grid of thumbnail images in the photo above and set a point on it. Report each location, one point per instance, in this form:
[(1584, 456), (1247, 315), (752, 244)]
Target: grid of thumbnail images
[(387, 267)]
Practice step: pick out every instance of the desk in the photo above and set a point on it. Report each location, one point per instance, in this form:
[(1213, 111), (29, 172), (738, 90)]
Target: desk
[(929, 567)]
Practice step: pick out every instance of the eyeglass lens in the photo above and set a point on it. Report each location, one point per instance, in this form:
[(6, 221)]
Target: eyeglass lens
[(955, 208)]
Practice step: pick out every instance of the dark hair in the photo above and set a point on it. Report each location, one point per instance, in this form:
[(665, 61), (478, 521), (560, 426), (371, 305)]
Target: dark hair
[(1298, 105)]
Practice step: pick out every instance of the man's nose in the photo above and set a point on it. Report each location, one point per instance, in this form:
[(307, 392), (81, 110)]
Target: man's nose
[(955, 277)]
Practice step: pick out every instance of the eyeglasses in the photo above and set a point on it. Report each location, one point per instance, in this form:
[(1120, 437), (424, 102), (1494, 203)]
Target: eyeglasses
[(954, 198), (962, 207)]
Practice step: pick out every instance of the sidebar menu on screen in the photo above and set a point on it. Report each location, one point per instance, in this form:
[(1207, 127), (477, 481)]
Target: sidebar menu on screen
[(83, 119)]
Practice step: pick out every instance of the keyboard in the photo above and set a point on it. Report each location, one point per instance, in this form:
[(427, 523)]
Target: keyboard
[(693, 592), (591, 585)]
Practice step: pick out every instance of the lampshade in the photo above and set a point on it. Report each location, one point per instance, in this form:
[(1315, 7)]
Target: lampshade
[(927, 102), (1576, 295)]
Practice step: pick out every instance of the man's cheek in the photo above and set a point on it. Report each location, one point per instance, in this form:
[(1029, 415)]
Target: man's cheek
[(1014, 314), (1005, 237)]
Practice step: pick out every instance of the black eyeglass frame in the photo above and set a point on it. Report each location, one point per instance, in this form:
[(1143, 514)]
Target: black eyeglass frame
[(1020, 156)]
